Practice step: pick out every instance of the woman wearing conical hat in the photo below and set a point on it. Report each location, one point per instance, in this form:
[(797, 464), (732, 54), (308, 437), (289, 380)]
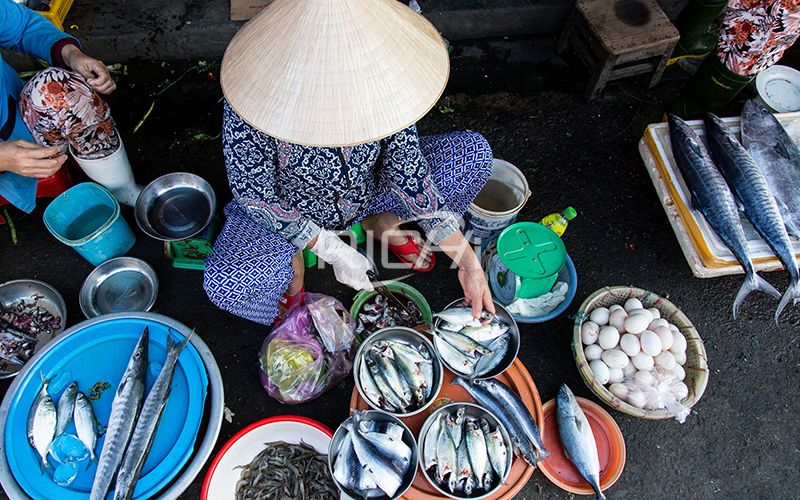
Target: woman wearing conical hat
[(318, 134)]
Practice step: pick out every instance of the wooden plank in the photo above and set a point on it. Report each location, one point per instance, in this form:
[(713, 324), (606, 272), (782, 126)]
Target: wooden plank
[(624, 26)]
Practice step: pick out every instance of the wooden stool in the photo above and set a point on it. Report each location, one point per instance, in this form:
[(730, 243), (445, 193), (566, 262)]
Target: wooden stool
[(619, 38)]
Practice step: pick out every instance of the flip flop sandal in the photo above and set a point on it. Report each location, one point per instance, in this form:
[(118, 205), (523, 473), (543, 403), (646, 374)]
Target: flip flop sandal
[(286, 302), (410, 247)]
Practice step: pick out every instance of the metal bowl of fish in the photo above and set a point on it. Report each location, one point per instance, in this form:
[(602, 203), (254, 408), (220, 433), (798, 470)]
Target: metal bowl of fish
[(476, 349), (397, 370), (465, 451), (31, 314), (373, 455), (124, 284), (175, 206)]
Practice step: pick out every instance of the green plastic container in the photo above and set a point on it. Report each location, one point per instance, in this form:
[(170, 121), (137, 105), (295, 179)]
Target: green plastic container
[(534, 254), (399, 288)]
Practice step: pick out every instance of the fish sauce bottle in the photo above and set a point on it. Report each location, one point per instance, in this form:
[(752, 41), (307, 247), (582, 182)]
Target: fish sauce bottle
[(558, 222)]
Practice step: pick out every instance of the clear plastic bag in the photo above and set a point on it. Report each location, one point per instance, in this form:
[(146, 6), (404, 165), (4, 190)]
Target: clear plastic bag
[(309, 351), (660, 390)]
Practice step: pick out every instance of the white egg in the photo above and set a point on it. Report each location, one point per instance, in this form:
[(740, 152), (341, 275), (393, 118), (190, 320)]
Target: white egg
[(636, 323), (589, 332), (673, 328), (600, 371), (629, 370), (680, 391), (678, 343), (643, 312), (665, 336), (593, 352), (600, 316), (617, 319), (645, 378), (658, 322), (609, 337), (632, 304), (651, 345), (642, 361), (619, 390), (615, 358), (637, 398), (629, 343), (680, 357), (615, 375), (655, 312), (679, 372), (615, 307), (665, 360)]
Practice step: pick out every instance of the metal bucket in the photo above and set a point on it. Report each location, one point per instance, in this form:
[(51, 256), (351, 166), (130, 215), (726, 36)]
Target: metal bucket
[(497, 205)]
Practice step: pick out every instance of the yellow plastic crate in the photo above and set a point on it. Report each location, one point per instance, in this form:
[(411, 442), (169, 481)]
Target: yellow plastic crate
[(57, 13)]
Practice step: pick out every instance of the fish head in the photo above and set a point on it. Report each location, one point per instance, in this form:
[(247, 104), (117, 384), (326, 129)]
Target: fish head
[(756, 119), (565, 397)]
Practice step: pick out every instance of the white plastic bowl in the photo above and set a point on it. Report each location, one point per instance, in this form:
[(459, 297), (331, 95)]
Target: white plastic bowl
[(779, 88), (241, 449)]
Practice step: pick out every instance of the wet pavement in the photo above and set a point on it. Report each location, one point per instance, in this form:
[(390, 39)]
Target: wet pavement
[(742, 438)]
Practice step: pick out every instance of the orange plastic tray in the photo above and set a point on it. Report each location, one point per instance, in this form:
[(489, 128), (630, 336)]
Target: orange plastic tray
[(520, 381)]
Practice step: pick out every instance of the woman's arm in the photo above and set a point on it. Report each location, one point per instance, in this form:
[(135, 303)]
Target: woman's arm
[(23, 30), (470, 273)]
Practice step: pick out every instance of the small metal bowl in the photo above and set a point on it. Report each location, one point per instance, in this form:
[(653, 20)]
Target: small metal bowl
[(408, 439), (513, 348), (470, 411), (11, 292), (407, 336), (175, 206), (124, 284)]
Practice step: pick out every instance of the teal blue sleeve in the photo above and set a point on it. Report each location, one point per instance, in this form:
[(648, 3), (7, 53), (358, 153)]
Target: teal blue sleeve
[(23, 30)]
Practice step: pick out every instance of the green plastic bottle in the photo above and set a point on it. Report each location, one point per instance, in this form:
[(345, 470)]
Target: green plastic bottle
[(558, 222)]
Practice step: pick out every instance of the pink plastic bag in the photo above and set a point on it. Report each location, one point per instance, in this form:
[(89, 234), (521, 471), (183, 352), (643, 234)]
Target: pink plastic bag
[(309, 351)]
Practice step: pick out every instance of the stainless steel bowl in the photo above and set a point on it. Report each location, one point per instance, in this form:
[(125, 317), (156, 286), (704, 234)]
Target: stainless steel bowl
[(408, 439), (124, 284), (471, 411), (206, 438), (513, 348), (175, 206), (11, 292), (406, 336)]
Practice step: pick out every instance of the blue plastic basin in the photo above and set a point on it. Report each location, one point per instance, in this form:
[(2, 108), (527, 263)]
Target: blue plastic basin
[(98, 353)]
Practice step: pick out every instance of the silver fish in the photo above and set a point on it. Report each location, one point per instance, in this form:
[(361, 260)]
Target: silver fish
[(752, 190), (412, 373), (348, 471), (455, 426), (459, 361), (431, 438), (499, 348), (485, 333), (478, 454), (85, 423), (124, 411), (496, 448), (712, 197), (464, 343), (147, 423), (463, 471), (43, 424), (414, 355), (446, 456), (577, 439), (507, 397), (778, 157), (462, 316), (389, 372), (383, 386), (387, 473), (66, 406), (371, 389), (36, 402), (387, 427)]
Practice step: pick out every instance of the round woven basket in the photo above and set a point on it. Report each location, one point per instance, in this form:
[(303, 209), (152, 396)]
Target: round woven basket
[(696, 366)]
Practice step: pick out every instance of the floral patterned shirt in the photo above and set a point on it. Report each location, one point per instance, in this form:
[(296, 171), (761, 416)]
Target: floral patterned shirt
[(297, 190)]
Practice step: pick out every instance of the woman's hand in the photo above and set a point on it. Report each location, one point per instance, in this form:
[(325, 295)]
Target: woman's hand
[(94, 71), (29, 159), (470, 273)]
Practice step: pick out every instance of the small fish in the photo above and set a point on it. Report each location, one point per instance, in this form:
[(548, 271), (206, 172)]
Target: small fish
[(349, 471), (387, 427), (463, 471), (36, 402), (446, 456), (485, 333), (499, 348), (383, 386), (464, 344), (455, 358), (431, 438), (414, 355), (85, 423), (462, 316), (496, 448), (577, 439), (371, 388), (523, 416), (455, 426), (412, 373), (66, 405), (386, 473), (124, 412), (43, 425), (388, 370), (147, 422), (478, 454)]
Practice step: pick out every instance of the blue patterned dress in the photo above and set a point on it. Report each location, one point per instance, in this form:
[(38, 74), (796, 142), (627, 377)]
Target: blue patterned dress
[(284, 194)]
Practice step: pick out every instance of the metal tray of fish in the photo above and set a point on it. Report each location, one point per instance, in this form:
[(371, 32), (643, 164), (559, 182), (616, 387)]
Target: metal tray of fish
[(495, 453), (704, 250), (430, 375)]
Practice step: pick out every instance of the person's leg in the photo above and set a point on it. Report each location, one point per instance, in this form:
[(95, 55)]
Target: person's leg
[(249, 268)]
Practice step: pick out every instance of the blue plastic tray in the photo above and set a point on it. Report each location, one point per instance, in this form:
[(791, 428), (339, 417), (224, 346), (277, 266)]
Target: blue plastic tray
[(97, 353)]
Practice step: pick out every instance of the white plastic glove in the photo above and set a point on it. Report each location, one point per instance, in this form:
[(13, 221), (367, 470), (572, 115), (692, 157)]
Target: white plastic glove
[(349, 266)]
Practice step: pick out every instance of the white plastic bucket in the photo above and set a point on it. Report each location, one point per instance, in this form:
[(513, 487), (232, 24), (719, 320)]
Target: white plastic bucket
[(497, 205)]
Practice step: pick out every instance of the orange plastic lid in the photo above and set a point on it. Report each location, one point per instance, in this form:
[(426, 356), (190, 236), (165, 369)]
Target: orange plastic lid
[(610, 449)]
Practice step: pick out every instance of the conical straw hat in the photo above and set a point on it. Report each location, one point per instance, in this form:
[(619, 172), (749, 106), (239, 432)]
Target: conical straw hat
[(334, 72)]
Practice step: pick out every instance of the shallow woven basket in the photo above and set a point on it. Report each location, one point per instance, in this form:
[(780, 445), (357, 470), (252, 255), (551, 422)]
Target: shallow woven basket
[(696, 366)]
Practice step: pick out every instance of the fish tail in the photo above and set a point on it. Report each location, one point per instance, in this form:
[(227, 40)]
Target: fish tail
[(177, 347), (598, 493), (752, 283), (792, 294)]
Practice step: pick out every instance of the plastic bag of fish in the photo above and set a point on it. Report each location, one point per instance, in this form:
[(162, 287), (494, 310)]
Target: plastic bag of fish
[(373, 460), (378, 313), (471, 347), (396, 376), (464, 455)]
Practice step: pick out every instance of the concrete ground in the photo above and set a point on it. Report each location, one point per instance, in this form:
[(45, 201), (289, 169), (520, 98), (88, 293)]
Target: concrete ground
[(742, 438)]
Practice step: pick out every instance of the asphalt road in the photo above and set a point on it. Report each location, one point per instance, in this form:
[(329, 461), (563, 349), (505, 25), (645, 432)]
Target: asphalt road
[(741, 440)]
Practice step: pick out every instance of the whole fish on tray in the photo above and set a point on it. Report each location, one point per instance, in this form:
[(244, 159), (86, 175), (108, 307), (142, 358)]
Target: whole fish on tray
[(777, 156), (469, 346), (752, 191), (42, 423), (577, 439), (712, 197)]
